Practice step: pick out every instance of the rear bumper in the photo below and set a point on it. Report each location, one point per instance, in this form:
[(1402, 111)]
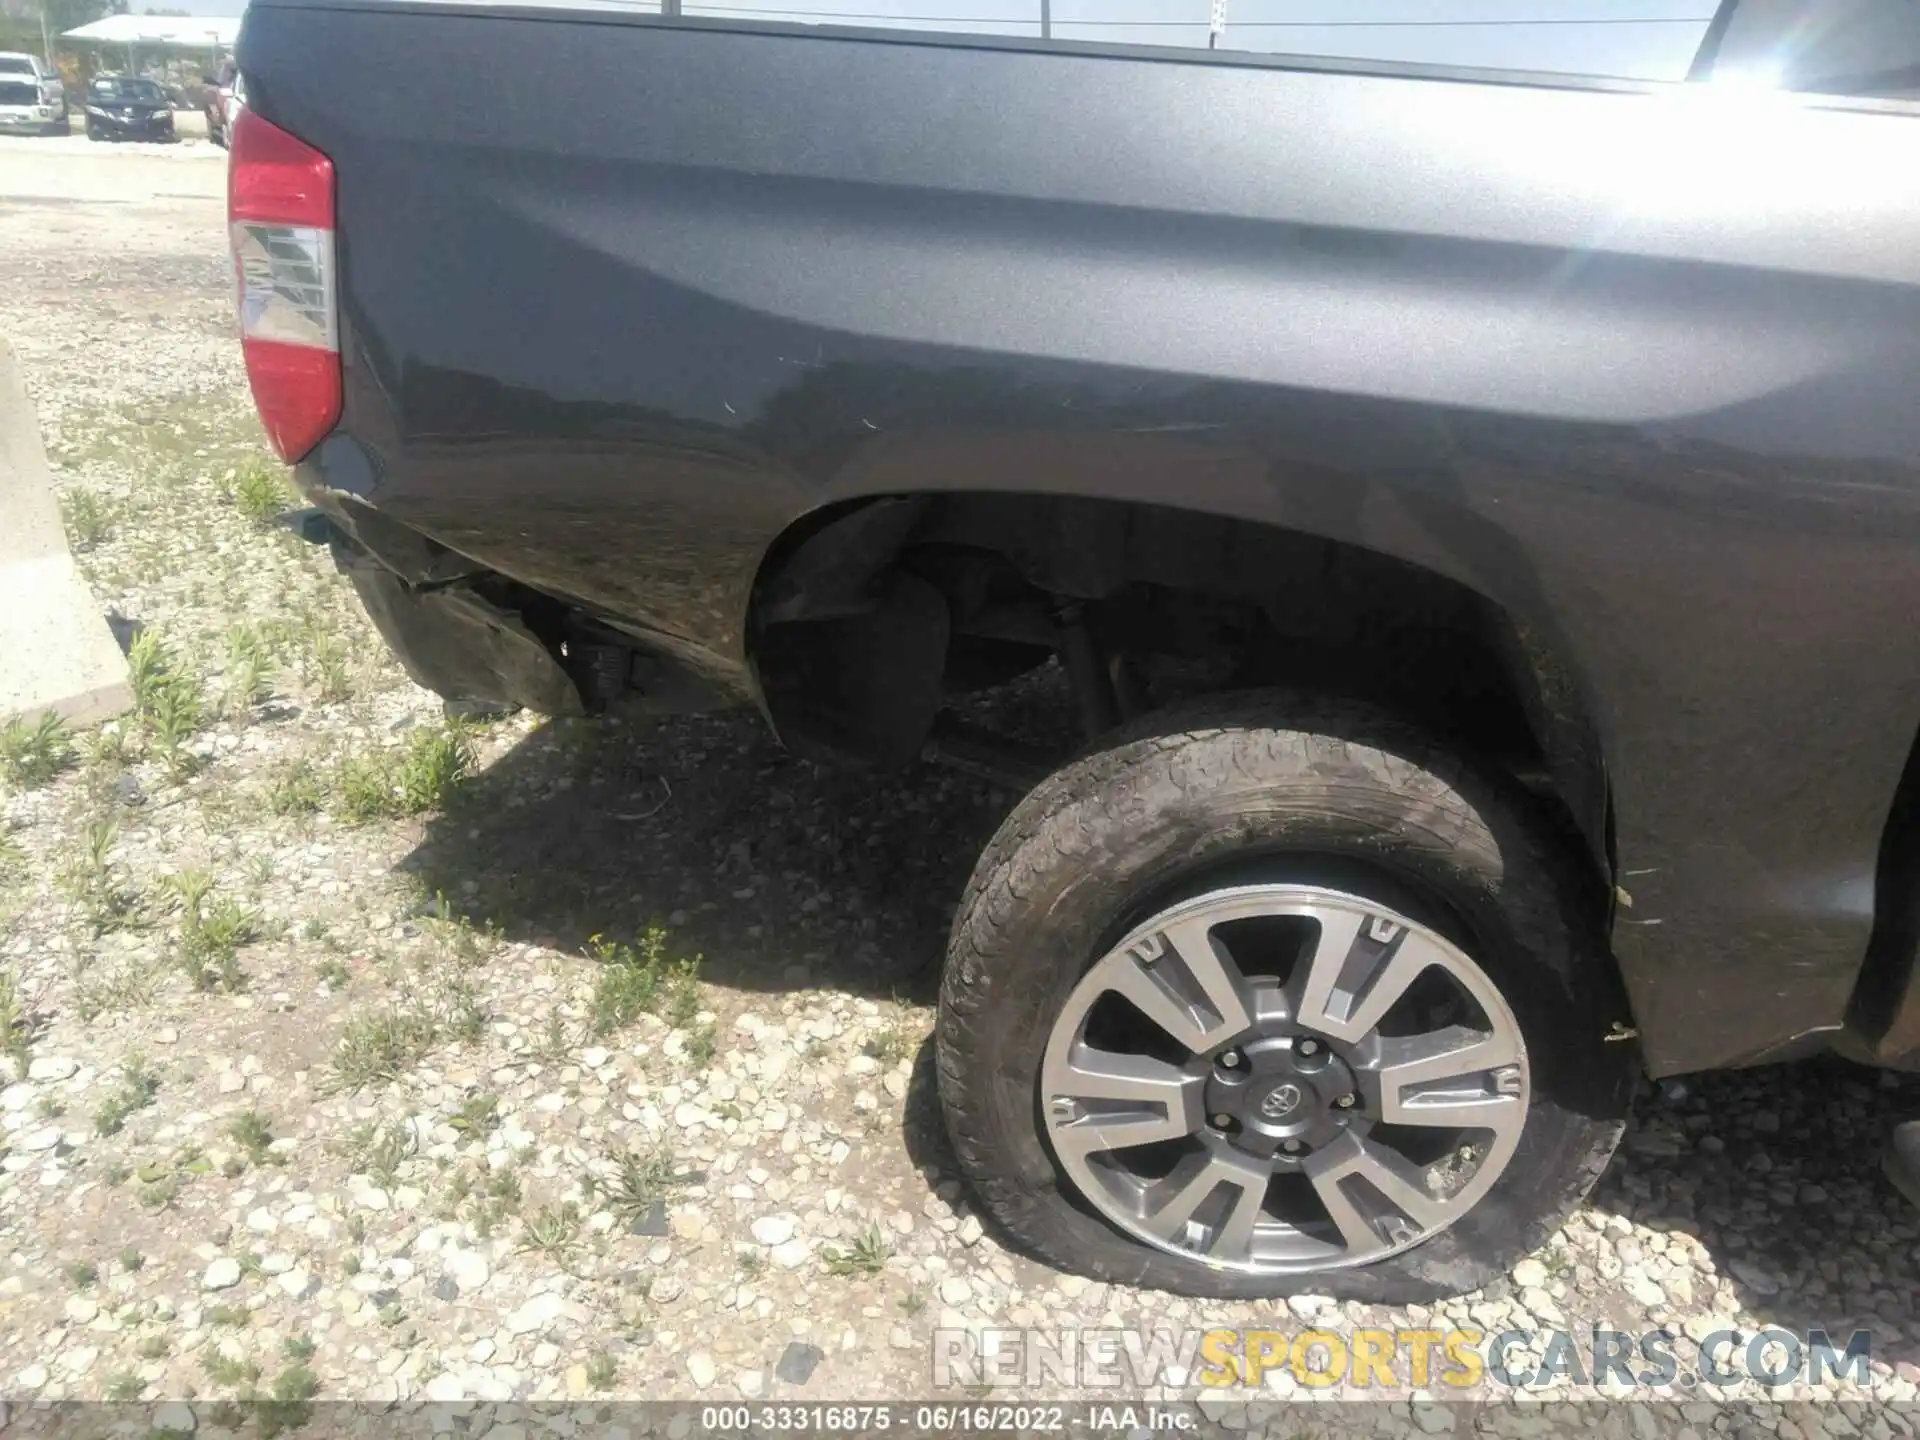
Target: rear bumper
[(452, 626), (458, 642), (470, 633)]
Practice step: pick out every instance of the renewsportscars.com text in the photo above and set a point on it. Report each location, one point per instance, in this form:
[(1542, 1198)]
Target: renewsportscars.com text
[(1374, 1360)]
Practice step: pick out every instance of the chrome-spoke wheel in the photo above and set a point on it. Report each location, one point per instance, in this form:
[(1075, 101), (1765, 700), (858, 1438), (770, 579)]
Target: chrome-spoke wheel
[(1284, 1078)]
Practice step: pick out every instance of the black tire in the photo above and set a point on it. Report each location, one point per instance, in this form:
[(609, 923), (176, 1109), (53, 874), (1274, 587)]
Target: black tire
[(1285, 788)]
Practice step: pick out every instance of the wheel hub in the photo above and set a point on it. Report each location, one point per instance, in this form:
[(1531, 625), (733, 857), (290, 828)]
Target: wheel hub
[(1357, 1092), (1283, 1095)]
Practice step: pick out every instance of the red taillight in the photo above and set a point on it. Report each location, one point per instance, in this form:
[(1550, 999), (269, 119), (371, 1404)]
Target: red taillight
[(280, 219)]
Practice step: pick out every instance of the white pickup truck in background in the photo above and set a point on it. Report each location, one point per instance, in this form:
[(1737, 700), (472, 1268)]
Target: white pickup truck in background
[(32, 93)]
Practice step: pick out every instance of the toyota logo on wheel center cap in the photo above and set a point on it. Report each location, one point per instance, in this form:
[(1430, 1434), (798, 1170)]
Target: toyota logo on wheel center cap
[(1280, 1101)]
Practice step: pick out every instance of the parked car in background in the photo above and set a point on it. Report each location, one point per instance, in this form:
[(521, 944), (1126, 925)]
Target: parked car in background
[(32, 95), (126, 107), (220, 101)]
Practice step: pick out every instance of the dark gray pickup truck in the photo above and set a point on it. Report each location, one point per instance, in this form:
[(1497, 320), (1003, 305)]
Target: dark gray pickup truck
[(1475, 516)]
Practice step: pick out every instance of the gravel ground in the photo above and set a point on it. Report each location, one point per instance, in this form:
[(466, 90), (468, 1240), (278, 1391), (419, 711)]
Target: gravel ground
[(525, 1061)]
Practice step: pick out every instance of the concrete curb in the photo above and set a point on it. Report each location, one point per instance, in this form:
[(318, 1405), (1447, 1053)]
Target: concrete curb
[(56, 652)]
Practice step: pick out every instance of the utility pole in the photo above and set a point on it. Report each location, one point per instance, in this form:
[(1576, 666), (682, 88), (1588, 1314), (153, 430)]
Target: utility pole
[(1046, 19), (46, 32)]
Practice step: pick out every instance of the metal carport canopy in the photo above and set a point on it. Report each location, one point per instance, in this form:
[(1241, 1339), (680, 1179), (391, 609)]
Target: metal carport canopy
[(183, 32)]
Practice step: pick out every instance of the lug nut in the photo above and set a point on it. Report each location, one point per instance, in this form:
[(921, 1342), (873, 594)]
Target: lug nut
[(1221, 1122), (1231, 1060), (1345, 1102), (1293, 1147), (1307, 1047)]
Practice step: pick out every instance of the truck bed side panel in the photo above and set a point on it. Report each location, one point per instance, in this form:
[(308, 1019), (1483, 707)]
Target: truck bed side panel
[(624, 298)]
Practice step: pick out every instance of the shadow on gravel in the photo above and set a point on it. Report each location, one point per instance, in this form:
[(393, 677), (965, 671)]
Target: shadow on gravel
[(783, 873), (1777, 1172), (789, 875), (924, 1128)]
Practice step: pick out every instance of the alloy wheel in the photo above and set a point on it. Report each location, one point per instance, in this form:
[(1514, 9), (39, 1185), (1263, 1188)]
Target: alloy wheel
[(1283, 1079)]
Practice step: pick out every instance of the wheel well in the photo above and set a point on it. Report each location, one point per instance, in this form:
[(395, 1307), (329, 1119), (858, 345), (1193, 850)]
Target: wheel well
[(869, 620)]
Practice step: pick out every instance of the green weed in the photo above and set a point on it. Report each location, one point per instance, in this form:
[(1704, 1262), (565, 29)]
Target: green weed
[(381, 1045), (16, 1031), (470, 944), (168, 699), (250, 670), (683, 994), (89, 519), (889, 1045), (161, 1191), (378, 1151), (212, 930), (229, 1370), (328, 669), (107, 754), (867, 1255), (289, 1404), (477, 1115), (551, 1231), (462, 1017), (702, 1042), (485, 1203), (635, 1180), (260, 493), (296, 788), (93, 882), (124, 1387), (104, 986), (32, 754), (639, 979), (253, 1133), (137, 1087), (602, 1372), (419, 776)]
